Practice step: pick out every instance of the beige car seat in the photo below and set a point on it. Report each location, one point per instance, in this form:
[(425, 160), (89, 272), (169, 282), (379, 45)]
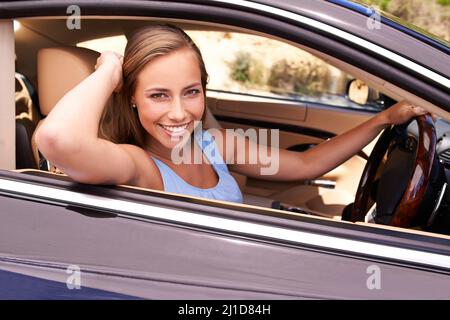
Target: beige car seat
[(58, 71)]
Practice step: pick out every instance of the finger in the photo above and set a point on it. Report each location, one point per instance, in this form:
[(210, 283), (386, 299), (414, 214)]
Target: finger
[(118, 55), (98, 62), (435, 117), (119, 86), (418, 110)]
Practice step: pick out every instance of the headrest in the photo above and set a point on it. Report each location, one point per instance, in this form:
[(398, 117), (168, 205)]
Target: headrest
[(61, 69)]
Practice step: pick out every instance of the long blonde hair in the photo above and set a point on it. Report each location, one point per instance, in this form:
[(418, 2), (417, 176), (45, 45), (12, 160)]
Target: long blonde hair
[(120, 122)]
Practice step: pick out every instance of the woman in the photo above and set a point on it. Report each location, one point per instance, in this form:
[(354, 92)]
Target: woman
[(158, 90)]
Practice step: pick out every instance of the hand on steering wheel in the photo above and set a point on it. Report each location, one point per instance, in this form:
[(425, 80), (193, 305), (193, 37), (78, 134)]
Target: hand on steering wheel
[(407, 210)]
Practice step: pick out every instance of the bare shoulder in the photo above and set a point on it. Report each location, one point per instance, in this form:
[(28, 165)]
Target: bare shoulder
[(147, 173)]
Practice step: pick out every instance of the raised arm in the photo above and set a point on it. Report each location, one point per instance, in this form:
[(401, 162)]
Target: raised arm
[(69, 135), (329, 154)]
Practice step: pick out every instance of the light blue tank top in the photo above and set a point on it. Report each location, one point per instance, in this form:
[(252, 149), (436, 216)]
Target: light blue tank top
[(226, 189)]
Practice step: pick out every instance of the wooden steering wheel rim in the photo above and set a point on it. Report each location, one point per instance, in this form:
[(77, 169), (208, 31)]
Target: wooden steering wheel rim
[(408, 207)]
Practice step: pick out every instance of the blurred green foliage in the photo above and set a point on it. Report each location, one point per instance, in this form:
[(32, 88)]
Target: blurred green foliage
[(246, 69), (240, 67), (308, 77), (305, 75), (382, 4)]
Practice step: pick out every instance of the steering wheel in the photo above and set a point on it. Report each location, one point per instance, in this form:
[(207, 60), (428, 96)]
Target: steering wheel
[(400, 190), (23, 101)]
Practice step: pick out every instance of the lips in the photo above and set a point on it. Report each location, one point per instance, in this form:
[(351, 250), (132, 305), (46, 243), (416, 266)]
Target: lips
[(175, 130)]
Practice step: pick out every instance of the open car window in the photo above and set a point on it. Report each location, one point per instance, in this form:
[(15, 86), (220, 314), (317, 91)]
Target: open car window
[(255, 65), (252, 67)]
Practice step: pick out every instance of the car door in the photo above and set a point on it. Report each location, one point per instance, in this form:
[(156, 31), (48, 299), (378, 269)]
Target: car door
[(61, 240)]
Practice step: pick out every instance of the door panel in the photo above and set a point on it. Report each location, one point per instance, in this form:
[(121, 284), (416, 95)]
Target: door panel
[(41, 239)]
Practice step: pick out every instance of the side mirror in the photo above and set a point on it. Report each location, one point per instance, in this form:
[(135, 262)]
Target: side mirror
[(358, 91)]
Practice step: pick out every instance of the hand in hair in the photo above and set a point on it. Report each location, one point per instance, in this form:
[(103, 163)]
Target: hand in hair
[(114, 60)]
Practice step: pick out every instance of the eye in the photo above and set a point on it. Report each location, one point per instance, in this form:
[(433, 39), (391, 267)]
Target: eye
[(158, 96), (192, 92)]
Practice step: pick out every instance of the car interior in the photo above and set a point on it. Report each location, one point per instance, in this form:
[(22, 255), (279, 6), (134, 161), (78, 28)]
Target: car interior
[(48, 64)]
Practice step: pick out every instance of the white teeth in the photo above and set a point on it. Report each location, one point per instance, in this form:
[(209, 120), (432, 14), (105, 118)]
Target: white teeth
[(175, 129)]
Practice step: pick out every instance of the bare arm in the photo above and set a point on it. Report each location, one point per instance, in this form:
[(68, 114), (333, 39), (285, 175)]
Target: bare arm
[(69, 135), (327, 155)]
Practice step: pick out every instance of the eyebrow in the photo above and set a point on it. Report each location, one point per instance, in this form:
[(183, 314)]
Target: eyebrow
[(167, 90)]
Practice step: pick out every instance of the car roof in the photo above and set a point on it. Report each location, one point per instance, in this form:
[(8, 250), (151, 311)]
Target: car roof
[(331, 13)]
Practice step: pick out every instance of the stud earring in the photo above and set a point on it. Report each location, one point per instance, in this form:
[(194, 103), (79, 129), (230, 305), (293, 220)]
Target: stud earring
[(133, 105)]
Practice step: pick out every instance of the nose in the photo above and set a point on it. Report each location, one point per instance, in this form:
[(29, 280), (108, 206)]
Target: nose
[(177, 111)]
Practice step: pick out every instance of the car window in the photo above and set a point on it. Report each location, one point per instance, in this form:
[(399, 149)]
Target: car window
[(251, 64)]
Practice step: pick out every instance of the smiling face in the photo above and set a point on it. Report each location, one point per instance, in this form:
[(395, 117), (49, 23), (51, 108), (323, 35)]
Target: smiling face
[(169, 97)]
